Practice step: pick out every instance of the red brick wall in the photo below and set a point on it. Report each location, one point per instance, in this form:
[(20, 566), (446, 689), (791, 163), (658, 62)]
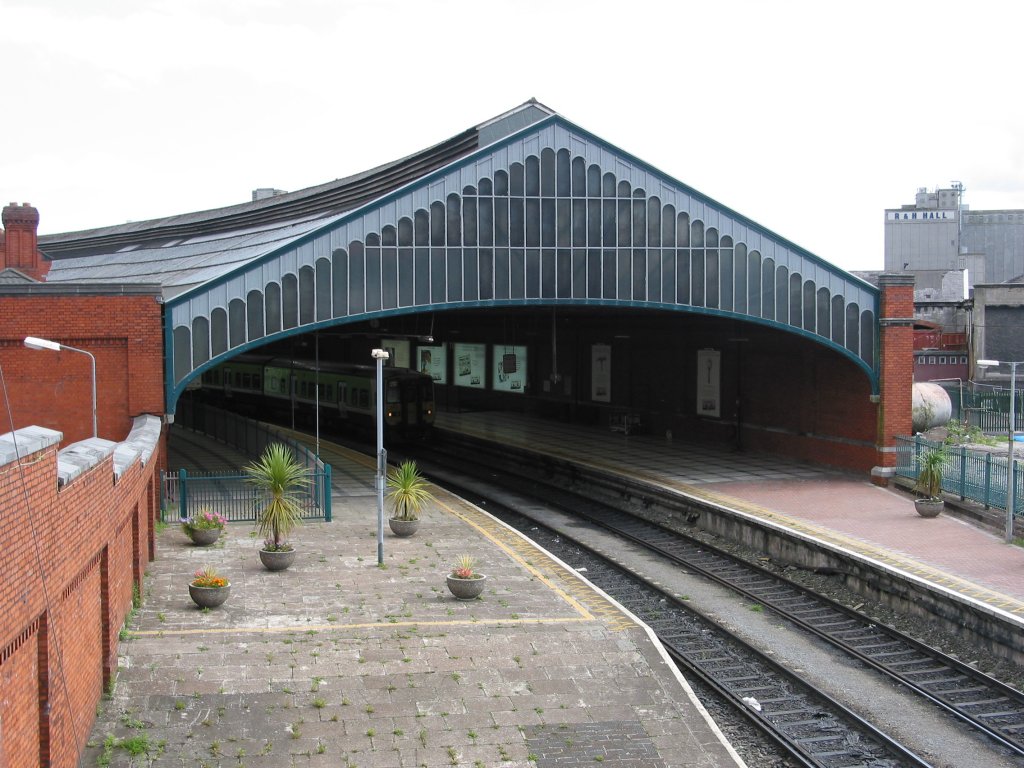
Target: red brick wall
[(896, 351), (62, 540), (54, 389), (809, 403)]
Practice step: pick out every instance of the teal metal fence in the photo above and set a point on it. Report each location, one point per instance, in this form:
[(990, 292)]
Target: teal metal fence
[(228, 493), (238, 501), (976, 475)]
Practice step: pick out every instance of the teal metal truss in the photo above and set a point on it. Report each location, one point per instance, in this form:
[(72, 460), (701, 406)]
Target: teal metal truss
[(550, 215)]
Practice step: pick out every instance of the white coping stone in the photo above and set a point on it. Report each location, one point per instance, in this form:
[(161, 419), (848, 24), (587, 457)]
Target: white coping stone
[(140, 443), (25, 441), (78, 457)]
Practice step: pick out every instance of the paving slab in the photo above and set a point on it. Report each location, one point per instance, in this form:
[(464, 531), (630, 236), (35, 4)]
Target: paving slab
[(339, 661)]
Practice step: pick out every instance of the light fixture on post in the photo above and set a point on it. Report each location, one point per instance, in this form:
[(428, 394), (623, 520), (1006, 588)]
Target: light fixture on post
[(1010, 489), (380, 356), (35, 343)]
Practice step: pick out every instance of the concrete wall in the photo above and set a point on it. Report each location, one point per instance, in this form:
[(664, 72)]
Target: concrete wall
[(998, 320)]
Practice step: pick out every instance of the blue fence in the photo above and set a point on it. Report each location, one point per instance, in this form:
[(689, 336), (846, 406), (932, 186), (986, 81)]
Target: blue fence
[(975, 475), (234, 498), (228, 493)]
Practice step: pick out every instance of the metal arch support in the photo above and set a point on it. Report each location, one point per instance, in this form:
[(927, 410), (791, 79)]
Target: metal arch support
[(551, 215)]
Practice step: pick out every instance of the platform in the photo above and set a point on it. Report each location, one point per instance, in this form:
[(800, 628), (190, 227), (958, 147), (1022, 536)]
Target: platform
[(839, 509), (337, 661)]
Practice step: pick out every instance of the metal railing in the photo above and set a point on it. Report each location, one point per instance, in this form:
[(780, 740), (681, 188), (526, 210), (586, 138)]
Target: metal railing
[(229, 493), (976, 475)]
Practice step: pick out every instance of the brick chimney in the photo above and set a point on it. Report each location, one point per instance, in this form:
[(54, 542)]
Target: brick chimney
[(18, 243)]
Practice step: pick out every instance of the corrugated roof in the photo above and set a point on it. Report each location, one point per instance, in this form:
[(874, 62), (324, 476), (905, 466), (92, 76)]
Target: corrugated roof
[(186, 250)]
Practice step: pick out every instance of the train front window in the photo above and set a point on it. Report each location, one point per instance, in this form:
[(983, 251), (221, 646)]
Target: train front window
[(394, 394)]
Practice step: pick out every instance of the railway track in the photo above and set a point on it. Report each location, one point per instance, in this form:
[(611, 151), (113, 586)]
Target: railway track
[(812, 728), (989, 706)]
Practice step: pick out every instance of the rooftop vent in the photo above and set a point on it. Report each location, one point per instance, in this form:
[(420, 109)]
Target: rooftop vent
[(264, 192)]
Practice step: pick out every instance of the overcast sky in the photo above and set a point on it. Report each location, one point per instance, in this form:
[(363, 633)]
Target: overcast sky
[(810, 118)]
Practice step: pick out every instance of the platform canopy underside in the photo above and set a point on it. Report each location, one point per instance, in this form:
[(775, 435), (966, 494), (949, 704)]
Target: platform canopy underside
[(550, 215)]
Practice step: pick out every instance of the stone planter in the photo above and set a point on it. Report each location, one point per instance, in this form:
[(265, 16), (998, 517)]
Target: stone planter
[(466, 589), (208, 597), (277, 561), (929, 507), (204, 537), (403, 528)]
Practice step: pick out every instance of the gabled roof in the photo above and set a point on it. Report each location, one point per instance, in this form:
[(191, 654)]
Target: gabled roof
[(183, 251), (12, 276)]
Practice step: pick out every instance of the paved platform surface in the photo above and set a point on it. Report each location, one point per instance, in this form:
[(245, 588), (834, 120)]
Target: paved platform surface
[(341, 662), (840, 509)]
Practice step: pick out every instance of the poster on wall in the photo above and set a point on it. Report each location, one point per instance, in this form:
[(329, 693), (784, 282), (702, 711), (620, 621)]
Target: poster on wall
[(509, 368), (398, 349), (470, 365), (601, 373), (708, 394), (434, 362)]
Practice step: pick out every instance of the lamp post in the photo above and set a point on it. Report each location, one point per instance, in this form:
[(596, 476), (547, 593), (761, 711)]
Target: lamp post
[(382, 462), (1010, 490), (35, 343)]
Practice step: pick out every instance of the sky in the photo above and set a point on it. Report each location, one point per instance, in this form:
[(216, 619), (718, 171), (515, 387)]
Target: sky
[(811, 118)]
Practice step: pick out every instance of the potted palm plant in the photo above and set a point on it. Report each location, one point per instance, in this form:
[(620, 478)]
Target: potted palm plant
[(279, 477), (408, 493), (929, 482)]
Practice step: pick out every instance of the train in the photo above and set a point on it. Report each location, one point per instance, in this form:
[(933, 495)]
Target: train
[(256, 384)]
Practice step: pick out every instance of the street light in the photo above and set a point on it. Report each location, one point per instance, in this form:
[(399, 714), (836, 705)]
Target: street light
[(382, 458), (1010, 490), (35, 343)]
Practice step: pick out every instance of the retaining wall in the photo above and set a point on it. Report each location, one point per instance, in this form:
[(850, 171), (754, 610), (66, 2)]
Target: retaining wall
[(77, 527)]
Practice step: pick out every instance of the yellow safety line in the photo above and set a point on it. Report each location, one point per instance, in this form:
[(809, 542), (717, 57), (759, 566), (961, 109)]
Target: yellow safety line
[(577, 592), (304, 628)]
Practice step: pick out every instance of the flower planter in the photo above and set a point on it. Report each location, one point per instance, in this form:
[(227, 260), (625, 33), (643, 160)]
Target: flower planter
[(466, 589), (403, 528), (277, 560), (208, 597), (929, 507), (204, 537)]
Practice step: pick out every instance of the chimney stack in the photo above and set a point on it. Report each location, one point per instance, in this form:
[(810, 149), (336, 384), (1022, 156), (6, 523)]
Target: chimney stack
[(19, 243)]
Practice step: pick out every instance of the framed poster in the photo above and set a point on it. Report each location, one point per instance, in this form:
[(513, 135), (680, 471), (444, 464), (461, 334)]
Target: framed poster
[(509, 368), (398, 349), (433, 361), (601, 373), (470, 370), (708, 389)]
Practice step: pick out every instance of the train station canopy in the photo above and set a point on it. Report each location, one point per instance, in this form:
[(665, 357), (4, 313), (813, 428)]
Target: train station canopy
[(524, 209)]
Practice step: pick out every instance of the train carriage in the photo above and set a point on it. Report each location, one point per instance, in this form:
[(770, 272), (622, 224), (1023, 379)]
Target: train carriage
[(345, 393)]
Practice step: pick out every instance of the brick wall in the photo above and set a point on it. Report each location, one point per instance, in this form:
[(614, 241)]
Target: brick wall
[(19, 243), (896, 350), (54, 389), (71, 559)]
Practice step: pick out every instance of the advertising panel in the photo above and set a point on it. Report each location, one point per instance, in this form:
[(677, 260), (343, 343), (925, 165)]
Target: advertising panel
[(509, 368), (470, 361), (398, 349), (433, 361), (601, 373), (708, 372)]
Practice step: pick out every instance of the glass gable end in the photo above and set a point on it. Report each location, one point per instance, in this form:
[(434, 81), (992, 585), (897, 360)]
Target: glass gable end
[(550, 215)]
